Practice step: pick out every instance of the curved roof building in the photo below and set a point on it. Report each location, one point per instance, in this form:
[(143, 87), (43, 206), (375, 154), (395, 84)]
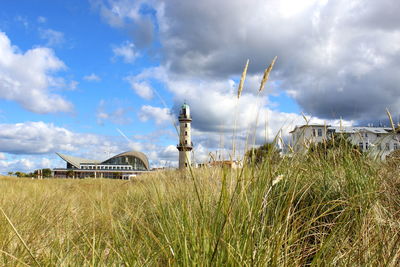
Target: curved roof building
[(126, 163)]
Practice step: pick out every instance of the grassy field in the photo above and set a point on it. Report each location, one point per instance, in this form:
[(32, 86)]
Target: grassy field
[(341, 209)]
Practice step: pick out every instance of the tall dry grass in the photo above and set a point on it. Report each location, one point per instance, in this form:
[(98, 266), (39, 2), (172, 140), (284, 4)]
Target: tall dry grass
[(342, 210)]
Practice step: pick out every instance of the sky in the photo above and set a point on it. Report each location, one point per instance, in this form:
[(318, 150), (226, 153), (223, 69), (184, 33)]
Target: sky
[(93, 78)]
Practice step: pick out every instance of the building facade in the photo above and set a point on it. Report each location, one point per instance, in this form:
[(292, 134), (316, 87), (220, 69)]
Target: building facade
[(185, 144), (379, 141), (121, 166)]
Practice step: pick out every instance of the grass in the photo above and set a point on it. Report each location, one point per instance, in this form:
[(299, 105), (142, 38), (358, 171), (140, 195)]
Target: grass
[(342, 210)]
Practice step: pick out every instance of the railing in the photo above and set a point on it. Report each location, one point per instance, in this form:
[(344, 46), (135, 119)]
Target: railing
[(187, 145)]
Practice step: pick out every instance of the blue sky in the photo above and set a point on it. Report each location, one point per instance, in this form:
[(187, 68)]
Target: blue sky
[(75, 74)]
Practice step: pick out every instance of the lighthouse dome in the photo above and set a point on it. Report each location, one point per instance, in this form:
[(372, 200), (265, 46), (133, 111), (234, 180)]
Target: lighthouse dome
[(185, 112)]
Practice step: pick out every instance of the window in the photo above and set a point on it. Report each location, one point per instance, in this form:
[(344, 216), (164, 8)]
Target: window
[(185, 142), (361, 146), (319, 132), (387, 146), (313, 132), (186, 164), (366, 134), (366, 146), (185, 124), (395, 146), (185, 133)]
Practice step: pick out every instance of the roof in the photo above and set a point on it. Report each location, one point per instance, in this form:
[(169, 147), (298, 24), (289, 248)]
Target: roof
[(76, 161), (186, 106), (351, 129), (348, 129), (308, 125), (343, 129), (136, 154)]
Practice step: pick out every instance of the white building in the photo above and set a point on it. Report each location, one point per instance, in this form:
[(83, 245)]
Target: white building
[(378, 140)]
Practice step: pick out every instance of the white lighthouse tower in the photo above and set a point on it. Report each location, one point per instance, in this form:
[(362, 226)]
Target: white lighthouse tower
[(185, 139)]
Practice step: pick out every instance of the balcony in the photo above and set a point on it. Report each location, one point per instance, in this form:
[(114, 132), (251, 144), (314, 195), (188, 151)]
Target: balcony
[(184, 147)]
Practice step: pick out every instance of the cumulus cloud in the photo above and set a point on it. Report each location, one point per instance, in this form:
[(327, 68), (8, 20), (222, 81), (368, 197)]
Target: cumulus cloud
[(126, 51), (27, 164), (128, 15), (92, 78), (159, 115), (41, 138), (335, 58), (30, 87), (217, 113), (140, 87), (24, 165)]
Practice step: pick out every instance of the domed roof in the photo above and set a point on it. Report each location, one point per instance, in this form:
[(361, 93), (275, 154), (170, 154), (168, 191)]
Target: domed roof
[(76, 162), (136, 154), (185, 106)]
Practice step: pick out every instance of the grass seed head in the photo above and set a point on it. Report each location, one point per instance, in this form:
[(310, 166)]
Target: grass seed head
[(266, 74), (242, 79)]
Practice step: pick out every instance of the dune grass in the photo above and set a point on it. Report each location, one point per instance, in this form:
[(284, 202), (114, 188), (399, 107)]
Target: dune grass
[(340, 210), (336, 208)]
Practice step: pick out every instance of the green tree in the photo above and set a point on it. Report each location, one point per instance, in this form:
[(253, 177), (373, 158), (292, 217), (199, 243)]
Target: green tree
[(10, 173), (20, 174), (46, 172), (259, 154), (337, 143)]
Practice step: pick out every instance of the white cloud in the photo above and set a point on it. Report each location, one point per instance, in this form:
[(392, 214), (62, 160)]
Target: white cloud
[(27, 164), (159, 115), (23, 164), (53, 38), (30, 87), (334, 57), (2, 156), (41, 138), (215, 108), (92, 78), (126, 51), (142, 88)]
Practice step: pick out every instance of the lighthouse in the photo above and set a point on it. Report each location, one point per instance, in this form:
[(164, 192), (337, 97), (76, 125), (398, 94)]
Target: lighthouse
[(185, 140)]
